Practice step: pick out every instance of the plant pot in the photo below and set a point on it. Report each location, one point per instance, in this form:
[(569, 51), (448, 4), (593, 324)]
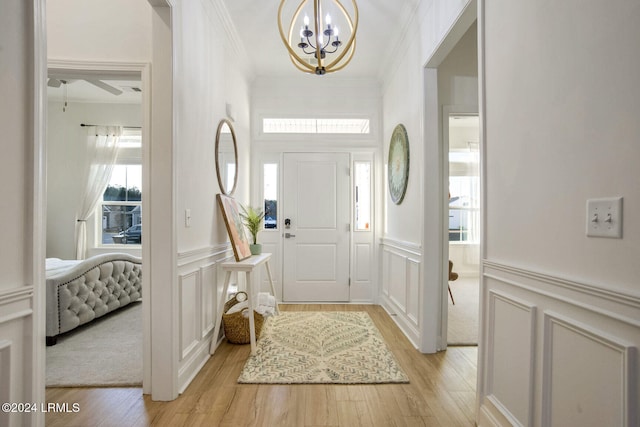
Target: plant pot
[(255, 249)]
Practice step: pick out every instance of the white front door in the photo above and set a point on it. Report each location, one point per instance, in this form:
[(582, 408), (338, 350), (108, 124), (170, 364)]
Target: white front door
[(316, 244)]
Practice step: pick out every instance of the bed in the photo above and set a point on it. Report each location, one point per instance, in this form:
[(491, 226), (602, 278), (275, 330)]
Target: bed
[(80, 291)]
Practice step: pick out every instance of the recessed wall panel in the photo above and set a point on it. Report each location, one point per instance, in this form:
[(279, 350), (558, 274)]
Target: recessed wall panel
[(362, 260), (189, 313), (413, 287), (510, 354), (208, 301), (586, 376), (398, 280)]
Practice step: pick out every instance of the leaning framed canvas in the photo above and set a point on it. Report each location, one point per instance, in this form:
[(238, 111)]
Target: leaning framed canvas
[(235, 227)]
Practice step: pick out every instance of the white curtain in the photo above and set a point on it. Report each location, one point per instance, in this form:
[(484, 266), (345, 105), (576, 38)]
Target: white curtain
[(102, 152)]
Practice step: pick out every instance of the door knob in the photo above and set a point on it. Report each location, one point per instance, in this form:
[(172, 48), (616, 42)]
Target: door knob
[(289, 235)]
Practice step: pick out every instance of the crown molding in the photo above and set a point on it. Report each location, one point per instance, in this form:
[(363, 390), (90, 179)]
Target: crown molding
[(234, 42)]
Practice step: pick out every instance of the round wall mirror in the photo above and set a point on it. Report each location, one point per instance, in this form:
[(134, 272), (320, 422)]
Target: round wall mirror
[(226, 157)]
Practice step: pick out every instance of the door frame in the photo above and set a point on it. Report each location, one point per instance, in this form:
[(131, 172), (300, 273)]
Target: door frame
[(435, 261), (144, 71)]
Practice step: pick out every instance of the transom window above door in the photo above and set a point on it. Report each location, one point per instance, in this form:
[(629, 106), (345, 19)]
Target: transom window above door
[(310, 125)]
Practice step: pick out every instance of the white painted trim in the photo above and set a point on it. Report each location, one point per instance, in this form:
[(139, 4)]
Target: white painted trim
[(557, 284), (513, 421), (234, 41), (162, 256), (39, 207), (482, 107), (434, 267), (411, 248), (8, 296), (196, 255), (447, 111), (617, 296)]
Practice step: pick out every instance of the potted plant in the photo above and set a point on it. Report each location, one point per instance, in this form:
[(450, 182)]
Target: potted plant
[(252, 218)]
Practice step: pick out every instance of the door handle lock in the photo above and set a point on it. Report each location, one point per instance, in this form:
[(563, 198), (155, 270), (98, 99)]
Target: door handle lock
[(289, 235)]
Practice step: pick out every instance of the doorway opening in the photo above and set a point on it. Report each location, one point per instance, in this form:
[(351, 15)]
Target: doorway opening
[(89, 104), (461, 136)]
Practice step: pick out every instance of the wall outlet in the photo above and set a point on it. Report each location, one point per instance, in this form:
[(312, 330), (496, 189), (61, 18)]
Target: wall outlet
[(604, 217)]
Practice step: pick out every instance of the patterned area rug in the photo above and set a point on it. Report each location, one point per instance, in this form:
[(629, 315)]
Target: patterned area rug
[(321, 348)]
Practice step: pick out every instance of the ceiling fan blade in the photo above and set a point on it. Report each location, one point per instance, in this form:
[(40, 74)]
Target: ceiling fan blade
[(102, 85), (54, 82)]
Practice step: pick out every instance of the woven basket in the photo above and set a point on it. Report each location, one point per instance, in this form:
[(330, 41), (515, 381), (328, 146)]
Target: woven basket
[(236, 325)]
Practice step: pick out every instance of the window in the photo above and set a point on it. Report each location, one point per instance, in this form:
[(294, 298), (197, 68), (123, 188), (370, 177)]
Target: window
[(270, 191), (464, 209), (324, 126), (363, 196), (120, 212)]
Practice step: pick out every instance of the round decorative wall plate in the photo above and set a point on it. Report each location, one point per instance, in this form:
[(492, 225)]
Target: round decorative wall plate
[(398, 167)]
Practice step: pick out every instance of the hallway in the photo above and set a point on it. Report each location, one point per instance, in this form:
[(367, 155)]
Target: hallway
[(441, 393)]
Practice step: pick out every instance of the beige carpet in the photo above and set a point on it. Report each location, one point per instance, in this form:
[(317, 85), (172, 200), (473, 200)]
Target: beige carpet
[(321, 348), (463, 316), (105, 352)]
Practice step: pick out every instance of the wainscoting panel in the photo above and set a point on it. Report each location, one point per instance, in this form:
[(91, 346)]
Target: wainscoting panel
[(16, 351), (5, 378), (556, 352), (413, 289), (361, 271), (200, 282), (601, 363), (189, 309), (401, 277), (510, 343), (363, 262), (275, 264), (208, 276), (398, 288)]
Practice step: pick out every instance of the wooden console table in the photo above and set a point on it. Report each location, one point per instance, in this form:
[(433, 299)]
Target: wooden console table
[(247, 266)]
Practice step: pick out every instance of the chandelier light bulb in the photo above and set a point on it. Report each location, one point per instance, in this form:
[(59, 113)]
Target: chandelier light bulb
[(320, 50)]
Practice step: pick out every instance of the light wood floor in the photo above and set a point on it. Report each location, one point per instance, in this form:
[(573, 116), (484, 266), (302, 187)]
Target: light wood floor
[(441, 393)]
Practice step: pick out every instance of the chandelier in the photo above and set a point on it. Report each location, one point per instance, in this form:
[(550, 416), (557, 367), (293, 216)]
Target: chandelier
[(320, 50)]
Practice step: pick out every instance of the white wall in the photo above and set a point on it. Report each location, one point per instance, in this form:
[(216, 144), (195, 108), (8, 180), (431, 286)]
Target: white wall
[(311, 96), (207, 74), (561, 332), (66, 158), (21, 333), (404, 246), (102, 30)]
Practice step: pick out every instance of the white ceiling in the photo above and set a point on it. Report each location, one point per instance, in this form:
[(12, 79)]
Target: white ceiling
[(381, 26), (79, 90), (253, 30)]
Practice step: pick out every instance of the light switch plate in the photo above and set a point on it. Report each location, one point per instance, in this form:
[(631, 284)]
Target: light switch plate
[(604, 217)]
